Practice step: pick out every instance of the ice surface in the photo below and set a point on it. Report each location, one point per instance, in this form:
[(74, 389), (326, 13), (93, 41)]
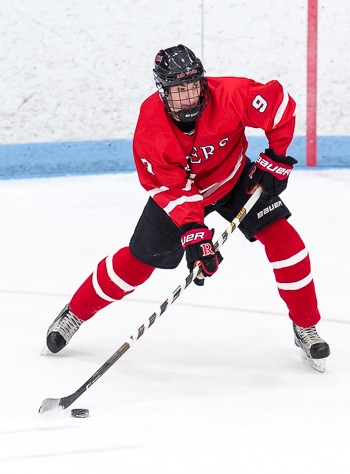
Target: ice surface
[(215, 386)]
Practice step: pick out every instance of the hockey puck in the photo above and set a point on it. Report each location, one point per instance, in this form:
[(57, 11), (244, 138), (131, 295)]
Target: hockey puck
[(80, 412)]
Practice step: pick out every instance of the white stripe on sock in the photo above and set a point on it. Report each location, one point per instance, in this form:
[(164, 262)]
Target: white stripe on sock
[(98, 289), (115, 278), (295, 285), (293, 260)]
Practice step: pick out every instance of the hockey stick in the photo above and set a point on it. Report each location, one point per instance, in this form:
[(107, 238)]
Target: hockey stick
[(52, 403)]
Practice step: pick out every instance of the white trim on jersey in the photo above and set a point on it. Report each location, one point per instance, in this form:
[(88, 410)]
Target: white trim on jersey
[(188, 185), (177, 202), (211, 189), (155, 191), (281, 108)]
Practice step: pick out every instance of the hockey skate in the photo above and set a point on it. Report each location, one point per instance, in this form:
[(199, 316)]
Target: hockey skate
[(62, 329), (315, 350)]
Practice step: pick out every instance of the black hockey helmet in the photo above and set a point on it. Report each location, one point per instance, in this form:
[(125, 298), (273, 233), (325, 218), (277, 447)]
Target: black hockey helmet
[(178, 66)]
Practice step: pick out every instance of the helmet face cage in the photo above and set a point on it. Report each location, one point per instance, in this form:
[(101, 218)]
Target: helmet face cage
[(185, 102), (180, 80)]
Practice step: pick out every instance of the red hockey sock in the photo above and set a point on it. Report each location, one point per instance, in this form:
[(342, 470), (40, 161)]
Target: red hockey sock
[(115, 276), (291, 265)]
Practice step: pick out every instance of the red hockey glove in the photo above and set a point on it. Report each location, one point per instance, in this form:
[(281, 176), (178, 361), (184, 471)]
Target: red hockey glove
[(272, 171), (198, 245)]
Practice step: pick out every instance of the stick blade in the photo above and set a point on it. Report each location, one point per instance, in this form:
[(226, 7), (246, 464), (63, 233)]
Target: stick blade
[(50, 404)]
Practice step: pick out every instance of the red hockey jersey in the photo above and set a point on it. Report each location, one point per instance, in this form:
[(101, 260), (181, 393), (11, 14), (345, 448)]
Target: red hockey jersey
[(184, 173)]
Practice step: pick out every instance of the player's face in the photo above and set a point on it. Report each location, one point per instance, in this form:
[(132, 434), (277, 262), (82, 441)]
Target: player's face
[(184, 96)]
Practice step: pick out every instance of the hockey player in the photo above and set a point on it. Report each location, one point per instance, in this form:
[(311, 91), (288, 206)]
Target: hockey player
[(190, 154)]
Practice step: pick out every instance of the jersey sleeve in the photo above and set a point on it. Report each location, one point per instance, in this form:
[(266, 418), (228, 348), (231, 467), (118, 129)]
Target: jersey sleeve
[(270, 108), (162, 171)]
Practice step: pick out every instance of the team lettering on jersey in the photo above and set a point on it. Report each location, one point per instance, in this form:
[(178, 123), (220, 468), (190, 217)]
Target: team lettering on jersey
[(183, 173), (198, 154)]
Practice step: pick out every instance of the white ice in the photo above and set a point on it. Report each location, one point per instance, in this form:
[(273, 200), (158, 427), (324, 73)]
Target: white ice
[(215, 386)]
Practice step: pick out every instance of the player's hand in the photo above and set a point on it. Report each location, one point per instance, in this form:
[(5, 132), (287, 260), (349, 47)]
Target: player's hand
[(197, 242), (271, 171)]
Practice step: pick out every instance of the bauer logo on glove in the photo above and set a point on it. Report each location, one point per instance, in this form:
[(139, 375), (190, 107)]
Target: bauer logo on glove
[(193, 237), (198, 245), (273, 168), (271, 171)]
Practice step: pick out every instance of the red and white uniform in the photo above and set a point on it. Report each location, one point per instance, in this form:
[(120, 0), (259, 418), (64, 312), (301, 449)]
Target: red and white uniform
[(183, 173)]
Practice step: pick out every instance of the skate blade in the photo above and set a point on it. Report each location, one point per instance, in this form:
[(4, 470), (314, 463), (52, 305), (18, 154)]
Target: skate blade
[(45, 351), (316, 364)]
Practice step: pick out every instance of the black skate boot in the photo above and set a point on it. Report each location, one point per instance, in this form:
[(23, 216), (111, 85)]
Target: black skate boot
[(315, 349), (62, 329)]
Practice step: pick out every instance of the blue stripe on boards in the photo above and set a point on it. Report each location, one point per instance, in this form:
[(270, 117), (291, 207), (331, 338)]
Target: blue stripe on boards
[(332, 151), (37, 160)]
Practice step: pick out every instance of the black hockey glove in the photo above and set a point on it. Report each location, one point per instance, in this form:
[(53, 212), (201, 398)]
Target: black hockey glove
[(197, 242), (271, 171)]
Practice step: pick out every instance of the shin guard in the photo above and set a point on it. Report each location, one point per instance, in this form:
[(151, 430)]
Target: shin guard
[(115, 276), (291, 265)]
